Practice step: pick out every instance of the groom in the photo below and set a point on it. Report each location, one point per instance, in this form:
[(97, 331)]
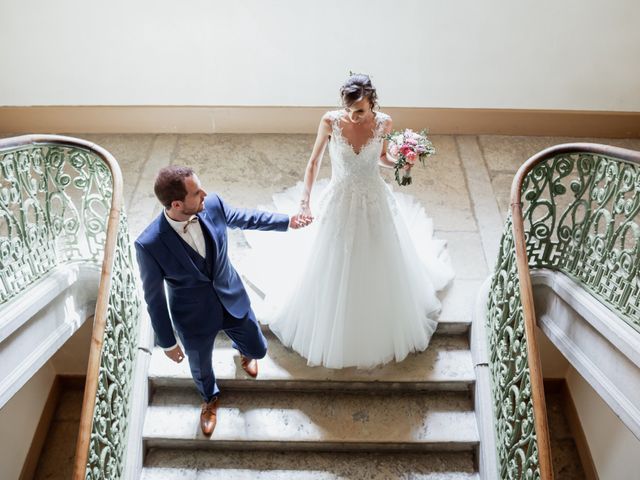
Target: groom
[(185, 249)]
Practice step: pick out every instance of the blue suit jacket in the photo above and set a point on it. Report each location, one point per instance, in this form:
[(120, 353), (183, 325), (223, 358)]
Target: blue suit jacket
[(194, 300)]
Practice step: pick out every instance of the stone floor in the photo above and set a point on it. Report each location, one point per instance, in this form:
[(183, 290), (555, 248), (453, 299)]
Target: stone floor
[(464, 188), (566, 462), (56, 461)]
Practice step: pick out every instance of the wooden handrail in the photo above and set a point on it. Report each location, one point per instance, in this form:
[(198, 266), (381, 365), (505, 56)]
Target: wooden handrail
[(100, 317), (526, 291), (102, 302)]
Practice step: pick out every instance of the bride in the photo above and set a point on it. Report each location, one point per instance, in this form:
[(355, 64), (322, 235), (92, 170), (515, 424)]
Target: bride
[(358, 287)]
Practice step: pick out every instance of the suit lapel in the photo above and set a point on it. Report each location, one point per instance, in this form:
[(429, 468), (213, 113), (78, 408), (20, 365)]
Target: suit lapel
[(172, 241), (206, 222)]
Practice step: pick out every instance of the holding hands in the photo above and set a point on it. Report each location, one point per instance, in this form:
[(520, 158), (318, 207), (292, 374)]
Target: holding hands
[(303, 217)]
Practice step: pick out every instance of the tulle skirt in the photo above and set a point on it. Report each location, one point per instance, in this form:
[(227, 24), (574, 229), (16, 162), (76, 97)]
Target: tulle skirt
[(358, 286)]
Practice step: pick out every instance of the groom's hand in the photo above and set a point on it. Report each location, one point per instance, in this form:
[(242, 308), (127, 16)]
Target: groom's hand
[(177, 355), (299, 221)]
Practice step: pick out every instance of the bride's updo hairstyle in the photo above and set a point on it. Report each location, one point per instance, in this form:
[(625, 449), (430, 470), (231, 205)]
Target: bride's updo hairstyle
[(357, 87)]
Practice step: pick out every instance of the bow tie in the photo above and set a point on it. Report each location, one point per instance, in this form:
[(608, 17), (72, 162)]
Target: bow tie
[(192, 219)]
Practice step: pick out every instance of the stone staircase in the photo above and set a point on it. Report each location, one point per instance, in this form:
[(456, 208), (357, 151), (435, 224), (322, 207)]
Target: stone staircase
[(412, 420)]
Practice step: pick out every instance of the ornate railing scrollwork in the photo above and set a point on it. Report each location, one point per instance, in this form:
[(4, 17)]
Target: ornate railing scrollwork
[(574, 209), (61, 202)]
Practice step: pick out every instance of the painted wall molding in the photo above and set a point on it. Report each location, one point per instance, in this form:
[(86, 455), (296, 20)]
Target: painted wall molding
[(291, 120)]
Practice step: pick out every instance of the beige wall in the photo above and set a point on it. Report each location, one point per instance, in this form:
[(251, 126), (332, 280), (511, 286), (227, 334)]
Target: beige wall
[(21, 414), (73, 356), (554, 364), (615, 450), (574, 54), (18, 421)]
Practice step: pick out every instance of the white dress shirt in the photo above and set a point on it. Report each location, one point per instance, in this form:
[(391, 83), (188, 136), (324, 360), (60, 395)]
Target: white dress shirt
[(193, 236)]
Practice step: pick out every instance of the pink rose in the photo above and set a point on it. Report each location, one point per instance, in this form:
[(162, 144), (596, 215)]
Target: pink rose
[(411, 157), (411, 141), (405, 149), (394, 150)]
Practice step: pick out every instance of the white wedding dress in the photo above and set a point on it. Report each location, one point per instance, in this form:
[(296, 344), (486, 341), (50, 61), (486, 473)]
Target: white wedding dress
[(358, 286)]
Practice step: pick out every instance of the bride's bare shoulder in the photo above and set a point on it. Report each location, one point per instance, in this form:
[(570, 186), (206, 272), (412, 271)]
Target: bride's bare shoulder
[(331, 115), (329, 118), (383, 117), (384, 122)]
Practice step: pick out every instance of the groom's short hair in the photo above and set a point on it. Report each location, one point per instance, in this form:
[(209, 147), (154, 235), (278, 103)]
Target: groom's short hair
[(169, 184)]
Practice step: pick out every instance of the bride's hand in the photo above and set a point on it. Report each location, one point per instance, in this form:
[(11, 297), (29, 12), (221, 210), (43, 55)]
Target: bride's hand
[(299, 221), (303, 217), (305, 210)]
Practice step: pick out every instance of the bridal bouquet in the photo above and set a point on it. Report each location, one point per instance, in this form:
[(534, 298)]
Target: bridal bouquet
[(408, 147)]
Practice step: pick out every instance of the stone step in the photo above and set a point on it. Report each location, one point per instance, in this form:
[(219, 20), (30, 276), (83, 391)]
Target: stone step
[(287, 420), (445, 365), (166, 464), (452, 327)]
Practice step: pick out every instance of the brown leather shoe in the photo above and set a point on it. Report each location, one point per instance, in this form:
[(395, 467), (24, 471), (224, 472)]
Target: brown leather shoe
[(250, 365), (208, 416)]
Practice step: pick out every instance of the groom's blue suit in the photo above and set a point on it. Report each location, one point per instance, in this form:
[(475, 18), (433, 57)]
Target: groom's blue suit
[(204, 295)]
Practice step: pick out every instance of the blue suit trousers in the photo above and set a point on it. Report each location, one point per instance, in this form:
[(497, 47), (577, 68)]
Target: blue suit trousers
[(247, 338)]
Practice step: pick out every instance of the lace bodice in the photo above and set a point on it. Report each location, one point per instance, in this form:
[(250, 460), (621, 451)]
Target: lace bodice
[(347, 165)]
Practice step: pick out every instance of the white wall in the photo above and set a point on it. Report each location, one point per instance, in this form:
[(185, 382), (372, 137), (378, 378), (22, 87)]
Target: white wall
[(615, 450), (18, 421), (544, 54)]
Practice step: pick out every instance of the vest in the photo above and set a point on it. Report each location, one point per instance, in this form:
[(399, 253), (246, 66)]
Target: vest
[(205, 265)]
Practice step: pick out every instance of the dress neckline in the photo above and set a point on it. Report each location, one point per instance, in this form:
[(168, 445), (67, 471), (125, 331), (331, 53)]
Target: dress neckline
[(372, 137)]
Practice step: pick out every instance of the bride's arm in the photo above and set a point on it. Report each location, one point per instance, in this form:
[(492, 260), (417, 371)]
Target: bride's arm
[(313, 166), (386, 159)]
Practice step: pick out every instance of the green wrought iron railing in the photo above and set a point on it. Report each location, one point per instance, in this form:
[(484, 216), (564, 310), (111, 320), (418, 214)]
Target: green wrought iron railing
[(574, 209), (61, 202)]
